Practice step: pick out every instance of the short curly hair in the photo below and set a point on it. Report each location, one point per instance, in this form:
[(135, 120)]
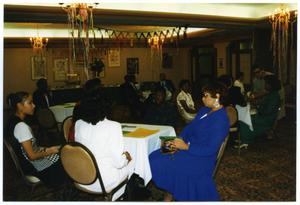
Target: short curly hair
[(215, 88), (95, 107)]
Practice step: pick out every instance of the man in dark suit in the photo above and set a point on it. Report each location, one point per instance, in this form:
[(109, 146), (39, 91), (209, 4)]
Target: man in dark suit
[(131, 96), (167, 85), (234, 97), (42, 97)]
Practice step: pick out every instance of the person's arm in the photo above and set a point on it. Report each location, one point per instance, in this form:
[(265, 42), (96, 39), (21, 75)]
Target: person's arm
[(33, 155), (217, 131), (178, 144), (186, 108), (269, 105), (23, 134), (120, 158)]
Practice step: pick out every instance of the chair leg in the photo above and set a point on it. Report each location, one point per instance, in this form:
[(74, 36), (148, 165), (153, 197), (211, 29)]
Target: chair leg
[(239, 142), (31, 192)]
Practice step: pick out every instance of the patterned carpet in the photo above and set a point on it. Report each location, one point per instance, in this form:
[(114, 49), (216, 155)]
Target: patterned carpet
[(266, 171)]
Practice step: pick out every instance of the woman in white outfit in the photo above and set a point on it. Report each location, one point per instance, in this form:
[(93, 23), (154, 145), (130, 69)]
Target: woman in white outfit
[(239, 82), (104, 139), (185, 103)]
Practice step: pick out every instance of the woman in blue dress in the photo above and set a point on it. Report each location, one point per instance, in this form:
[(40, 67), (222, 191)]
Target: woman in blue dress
[(186, 175)]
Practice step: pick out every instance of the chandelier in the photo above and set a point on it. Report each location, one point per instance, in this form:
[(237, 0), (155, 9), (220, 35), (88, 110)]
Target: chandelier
[(81, 24), (281, 37), (156, 42), (38, 42)]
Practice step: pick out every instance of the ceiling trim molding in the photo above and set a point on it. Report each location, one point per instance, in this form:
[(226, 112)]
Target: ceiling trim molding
[(38, 14)]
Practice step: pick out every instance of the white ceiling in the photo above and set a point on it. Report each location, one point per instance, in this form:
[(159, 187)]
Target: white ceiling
[(240, 10), (246, 9)]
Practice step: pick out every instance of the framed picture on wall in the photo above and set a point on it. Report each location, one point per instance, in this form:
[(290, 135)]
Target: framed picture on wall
[(132, 66), (98, 66), (114, 57), (38, 67), (167, 61), (220, 63), (60, 69)]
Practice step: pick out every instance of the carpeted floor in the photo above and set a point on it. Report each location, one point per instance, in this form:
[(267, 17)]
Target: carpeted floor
[(266, 171)]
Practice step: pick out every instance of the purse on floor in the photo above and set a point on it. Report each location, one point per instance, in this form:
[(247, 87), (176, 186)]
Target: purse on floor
[(135, 189)]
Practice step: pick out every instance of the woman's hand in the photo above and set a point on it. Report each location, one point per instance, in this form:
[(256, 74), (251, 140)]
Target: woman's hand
[(52, 150), (178, 143), (128, 157)]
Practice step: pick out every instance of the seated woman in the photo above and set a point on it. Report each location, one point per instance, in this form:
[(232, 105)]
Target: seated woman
[(185, 101), (43, 162), (104, 139), (186, 175), (267, 111), (160, 112), (89, 87)]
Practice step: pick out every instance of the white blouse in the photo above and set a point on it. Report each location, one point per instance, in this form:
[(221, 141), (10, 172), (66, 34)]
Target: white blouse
[(190, 103), (105, 141)]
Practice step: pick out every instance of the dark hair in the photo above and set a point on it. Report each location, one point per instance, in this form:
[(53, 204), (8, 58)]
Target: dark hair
[(226, 80), (160, 89), (14, 98), (239, 75), (273, 82), (91, 85), (214, 88), (94, 108), (183, 82), (129, 78), (42, 84)]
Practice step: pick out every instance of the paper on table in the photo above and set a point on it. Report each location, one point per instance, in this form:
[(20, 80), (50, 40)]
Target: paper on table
[(69, 105), (140, 133)]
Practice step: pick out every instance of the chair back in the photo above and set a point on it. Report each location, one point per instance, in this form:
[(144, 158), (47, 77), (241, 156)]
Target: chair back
[(67, 123), (46, 118), (29, 179), (232, 115), (220, 155), (80, 164)]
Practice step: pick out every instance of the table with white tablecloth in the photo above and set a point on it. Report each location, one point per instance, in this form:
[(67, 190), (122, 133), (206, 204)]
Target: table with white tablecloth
[(244, 114), (62, 111), (140, 147)]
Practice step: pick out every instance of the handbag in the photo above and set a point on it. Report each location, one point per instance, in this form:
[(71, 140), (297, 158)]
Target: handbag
[(135, 189)]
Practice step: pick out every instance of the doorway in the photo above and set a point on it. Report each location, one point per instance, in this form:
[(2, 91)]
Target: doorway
[(204, 68)]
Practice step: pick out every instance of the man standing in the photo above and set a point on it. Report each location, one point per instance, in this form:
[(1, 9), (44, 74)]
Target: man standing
[(167, 85)]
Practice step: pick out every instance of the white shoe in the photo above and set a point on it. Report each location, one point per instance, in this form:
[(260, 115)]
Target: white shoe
[(241, 146), (237, 141)]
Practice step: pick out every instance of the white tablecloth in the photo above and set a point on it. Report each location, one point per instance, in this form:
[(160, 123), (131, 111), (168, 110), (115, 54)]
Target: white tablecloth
[(140, 148), (244, 115), (62, 111)]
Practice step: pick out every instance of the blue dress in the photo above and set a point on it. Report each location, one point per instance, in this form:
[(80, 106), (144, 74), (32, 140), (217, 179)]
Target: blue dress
[(187, 174)]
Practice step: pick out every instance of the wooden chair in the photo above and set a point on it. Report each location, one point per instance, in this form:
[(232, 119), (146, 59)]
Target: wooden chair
[(271, 134), (67, 123), (81, 166), (48, 126), (220, 156), (233, 120), (30, 180)]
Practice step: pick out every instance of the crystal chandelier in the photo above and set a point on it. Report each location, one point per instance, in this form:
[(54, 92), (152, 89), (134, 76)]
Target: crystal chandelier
[(281, 37), (38, 42), (156, 42)]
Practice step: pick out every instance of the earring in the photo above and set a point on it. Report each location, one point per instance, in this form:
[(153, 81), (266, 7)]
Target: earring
[(217, 104)]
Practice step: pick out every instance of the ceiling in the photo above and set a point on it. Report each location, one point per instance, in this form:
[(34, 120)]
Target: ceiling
[(50, 20)]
